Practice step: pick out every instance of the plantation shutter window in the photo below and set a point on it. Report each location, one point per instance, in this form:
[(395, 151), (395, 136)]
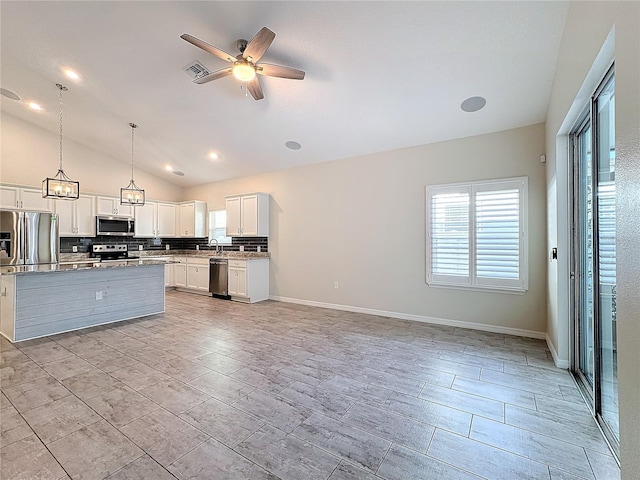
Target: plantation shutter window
[(476, 235)]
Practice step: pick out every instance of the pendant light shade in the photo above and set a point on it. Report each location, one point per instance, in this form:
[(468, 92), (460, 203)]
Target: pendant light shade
[(131, 194), (60, 186)]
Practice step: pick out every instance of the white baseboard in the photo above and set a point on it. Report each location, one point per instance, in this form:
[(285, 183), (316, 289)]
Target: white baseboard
[(417, 318), (560, 362)]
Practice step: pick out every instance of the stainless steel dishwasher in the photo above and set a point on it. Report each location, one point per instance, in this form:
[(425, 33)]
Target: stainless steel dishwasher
[(218, 276)]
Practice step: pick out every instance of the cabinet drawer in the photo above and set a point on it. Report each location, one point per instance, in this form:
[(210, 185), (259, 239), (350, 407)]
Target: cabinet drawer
[(180, 259), (197, 261), (238, 263)]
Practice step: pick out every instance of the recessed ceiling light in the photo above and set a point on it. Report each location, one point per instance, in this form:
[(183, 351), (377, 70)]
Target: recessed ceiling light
[(35, 106), (168, 168), (293, 145), (178, 173), (213, 156), (9, 94), (473, 104), (71, 74)]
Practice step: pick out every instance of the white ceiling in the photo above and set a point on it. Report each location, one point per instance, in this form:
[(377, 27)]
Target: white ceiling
[(379, 76)]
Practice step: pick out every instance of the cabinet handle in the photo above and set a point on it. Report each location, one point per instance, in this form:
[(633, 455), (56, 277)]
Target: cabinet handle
[(4, 292)]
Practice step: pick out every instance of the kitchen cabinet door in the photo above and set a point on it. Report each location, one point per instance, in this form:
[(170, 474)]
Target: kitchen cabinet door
[(180, 274), (168, 275), (234, 219), (167, 219), (66, 224), (85, 216), (111, 206), (31, 199), (24, 199), (192, 219), (146, 220), (77, 218), (237, 282), (202, 278), (248, 215), (9, 197)]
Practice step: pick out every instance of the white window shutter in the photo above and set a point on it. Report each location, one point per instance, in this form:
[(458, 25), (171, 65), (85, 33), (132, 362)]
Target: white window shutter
[(477, 235), (497, 236), (449, 235)]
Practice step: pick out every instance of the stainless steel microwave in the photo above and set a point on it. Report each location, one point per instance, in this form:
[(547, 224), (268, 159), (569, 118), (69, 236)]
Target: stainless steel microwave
[(115, 226)]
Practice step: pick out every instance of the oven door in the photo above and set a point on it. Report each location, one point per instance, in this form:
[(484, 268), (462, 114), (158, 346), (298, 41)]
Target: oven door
[(114, 226)]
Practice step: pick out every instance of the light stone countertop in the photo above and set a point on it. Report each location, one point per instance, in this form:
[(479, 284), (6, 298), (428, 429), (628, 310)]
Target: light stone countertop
[(84, 257), (75, 266)]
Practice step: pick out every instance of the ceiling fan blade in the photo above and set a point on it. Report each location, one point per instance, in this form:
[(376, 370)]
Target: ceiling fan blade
[(279, 71), (208, 47), (255, 89), (213, 76), (258, 45)]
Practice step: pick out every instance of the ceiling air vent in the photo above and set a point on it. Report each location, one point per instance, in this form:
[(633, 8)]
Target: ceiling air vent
[(196, 70)]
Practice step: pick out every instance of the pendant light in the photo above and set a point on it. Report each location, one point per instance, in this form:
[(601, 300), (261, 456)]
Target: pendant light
[(60, 186), (131, 194)]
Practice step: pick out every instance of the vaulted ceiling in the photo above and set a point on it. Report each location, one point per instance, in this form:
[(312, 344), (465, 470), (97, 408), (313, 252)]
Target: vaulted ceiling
[(379, 76)]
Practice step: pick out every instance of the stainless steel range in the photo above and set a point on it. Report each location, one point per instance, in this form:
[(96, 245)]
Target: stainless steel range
[(106, 252)]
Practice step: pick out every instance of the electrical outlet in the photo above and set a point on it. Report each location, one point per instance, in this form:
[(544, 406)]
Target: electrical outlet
[(259, 249), (336, 285), (166, 246), (99, 295), (197, 247), (140, 247), (74, 249)]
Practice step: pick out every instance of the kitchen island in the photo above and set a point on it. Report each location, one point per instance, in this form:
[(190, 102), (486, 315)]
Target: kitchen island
[(40, 300)]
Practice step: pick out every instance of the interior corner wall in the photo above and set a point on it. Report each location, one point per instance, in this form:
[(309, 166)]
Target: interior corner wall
[(29, 153), (587, 28), (361, 222)]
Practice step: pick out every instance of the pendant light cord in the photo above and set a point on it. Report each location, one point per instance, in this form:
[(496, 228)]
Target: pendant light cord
[(133, 128), (62, 89)]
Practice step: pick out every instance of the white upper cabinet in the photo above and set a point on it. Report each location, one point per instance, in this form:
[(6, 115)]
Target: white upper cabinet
[(77, 218), (155, 219), (146, 223), (24, 199), (167, 220), (111, 206), (193, 219), (248, 215)]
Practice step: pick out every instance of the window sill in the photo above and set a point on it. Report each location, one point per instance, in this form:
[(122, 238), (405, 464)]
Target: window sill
[(483, 288)]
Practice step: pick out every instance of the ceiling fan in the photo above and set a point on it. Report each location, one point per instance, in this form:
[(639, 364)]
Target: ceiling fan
[(245, 66)]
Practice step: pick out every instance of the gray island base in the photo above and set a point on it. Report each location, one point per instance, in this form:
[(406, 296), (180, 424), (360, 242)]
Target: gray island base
[(38, 303)]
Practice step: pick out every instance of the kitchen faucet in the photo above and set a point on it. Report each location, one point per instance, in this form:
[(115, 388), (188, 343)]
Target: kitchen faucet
[(217, 244)]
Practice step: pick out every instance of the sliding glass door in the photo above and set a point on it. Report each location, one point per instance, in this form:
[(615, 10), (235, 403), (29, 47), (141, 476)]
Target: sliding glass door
[(594, 258)]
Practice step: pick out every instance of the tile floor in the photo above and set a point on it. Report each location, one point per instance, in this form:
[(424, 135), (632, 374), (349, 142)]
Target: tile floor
[(219, 390)]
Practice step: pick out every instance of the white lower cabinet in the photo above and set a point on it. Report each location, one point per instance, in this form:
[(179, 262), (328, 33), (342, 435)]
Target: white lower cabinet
[(191, 273), (249, 280), (168, 275), (180, 272)]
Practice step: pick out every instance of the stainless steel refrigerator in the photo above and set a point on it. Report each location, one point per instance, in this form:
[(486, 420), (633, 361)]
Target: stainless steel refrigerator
[(28, 238)]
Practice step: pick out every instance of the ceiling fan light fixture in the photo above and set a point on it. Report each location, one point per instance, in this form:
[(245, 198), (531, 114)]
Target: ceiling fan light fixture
[(244, 71)]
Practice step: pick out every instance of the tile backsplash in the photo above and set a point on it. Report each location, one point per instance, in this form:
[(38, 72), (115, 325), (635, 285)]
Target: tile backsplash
[(250, 244)]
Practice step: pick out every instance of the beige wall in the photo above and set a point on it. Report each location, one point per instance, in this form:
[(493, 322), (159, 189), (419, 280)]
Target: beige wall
[(582, 61), (30, 153), (361, 222)]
